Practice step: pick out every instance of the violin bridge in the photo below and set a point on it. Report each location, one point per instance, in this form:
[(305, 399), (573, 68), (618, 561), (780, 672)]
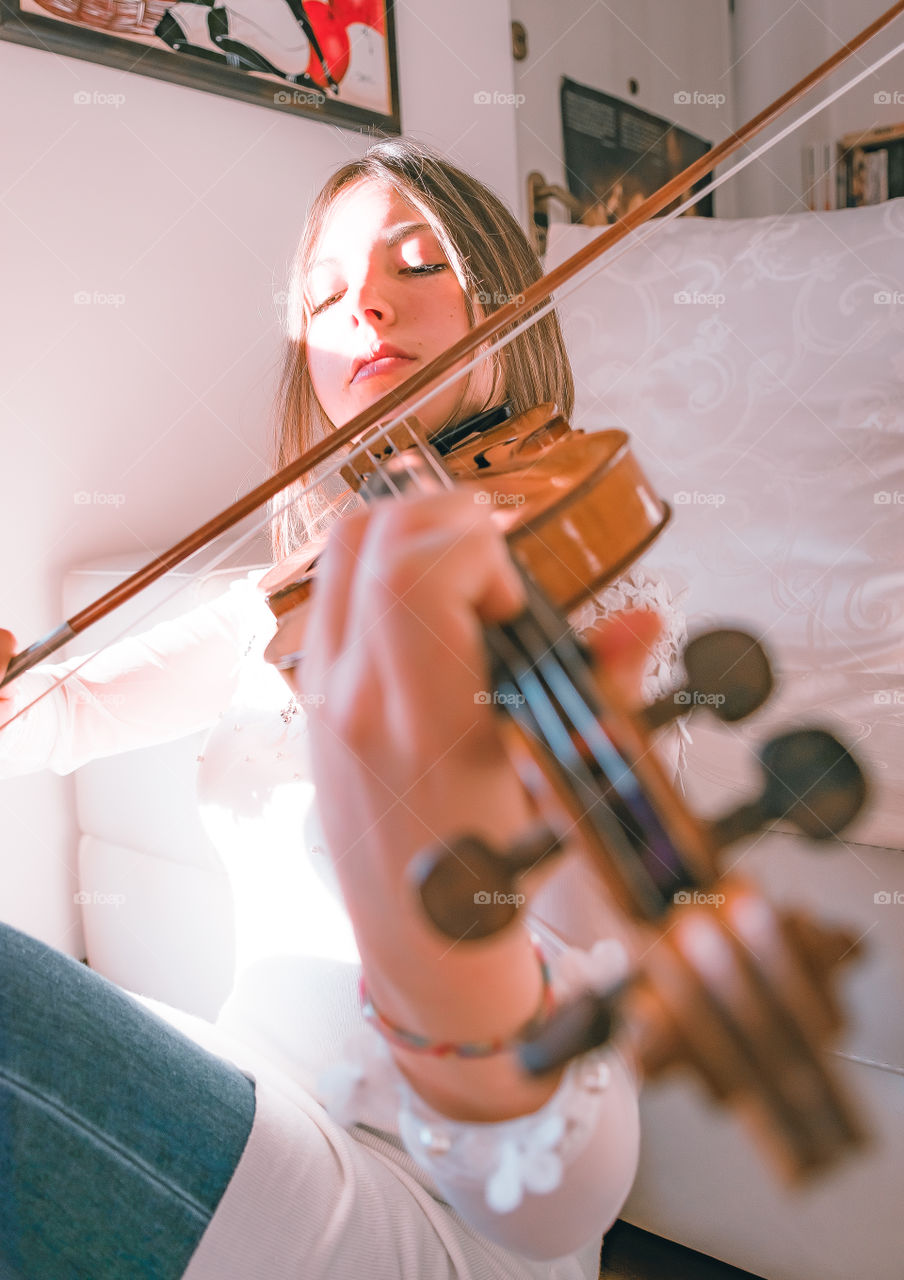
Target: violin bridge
[(368, 458)]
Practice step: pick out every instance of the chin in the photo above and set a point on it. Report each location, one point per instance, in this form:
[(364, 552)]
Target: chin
[(433, 415)]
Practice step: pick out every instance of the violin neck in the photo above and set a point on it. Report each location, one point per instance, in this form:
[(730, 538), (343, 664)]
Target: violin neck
[(542, 678)]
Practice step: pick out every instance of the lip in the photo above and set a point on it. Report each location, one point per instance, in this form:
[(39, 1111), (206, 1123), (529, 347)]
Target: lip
[(384, 358)]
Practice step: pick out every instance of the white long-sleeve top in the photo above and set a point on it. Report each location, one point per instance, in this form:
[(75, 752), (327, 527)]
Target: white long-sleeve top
[(346, 1171)]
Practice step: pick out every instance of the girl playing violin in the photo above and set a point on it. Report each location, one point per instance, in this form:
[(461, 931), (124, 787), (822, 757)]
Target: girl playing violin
[(357, 1107)]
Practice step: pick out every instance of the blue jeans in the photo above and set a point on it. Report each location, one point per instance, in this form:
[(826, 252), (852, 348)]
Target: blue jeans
[(118, 1135)]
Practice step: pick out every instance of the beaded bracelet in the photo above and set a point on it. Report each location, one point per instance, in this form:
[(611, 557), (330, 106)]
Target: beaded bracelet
[(477, 1048)]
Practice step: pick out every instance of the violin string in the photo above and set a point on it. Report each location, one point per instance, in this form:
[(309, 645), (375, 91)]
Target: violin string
[(539, 657), (564, 670), (521, 658), (540, 716), (570, 681)]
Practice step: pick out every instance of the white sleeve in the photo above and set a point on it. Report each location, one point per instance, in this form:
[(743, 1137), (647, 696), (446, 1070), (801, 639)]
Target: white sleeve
[(170, 681), (541, 1185)]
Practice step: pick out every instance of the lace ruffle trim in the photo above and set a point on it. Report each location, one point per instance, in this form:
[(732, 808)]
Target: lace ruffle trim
[(509, 1157)]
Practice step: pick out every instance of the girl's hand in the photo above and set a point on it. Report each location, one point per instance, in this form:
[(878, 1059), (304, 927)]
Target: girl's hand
[(406, 751), (405, 743), (7, 651)]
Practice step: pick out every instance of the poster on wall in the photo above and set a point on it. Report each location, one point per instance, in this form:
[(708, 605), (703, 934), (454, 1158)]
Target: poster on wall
[(616, 155), (333, 60)]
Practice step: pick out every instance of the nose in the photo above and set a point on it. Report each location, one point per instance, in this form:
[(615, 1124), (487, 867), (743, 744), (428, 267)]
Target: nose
[(369, 301)]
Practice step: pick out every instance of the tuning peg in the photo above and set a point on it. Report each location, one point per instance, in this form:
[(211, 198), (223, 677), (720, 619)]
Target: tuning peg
[(727, 671), (810, 780), (583, 1024), (468, 889)]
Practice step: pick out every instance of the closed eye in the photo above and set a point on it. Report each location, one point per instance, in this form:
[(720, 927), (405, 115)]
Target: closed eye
[(422, 269), (327, 302)]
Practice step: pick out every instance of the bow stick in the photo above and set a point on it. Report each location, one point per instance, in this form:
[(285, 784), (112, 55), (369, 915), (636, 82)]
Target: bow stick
[(486, 330)]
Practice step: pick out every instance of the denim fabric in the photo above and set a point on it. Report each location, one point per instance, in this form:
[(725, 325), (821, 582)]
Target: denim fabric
[(118, 1135)]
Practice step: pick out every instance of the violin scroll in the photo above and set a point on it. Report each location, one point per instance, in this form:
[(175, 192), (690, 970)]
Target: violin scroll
[(741, 994), (809, 779)]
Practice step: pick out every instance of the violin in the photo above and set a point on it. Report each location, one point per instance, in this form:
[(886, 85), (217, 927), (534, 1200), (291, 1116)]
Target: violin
[(734, 989)]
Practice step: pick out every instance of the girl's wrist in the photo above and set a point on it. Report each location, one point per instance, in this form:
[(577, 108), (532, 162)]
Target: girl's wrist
[(500, 1020), (489, 991)]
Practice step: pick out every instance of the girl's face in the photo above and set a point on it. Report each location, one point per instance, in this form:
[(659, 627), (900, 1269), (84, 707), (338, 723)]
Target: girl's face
[(383, 302)]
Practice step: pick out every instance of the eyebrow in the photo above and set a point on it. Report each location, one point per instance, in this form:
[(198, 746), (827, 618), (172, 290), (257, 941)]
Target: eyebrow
[(404, 231), (391, 239)]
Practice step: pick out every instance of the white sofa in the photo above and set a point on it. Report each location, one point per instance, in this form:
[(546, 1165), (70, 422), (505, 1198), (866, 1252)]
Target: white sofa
[(760, 374), (759, 367)]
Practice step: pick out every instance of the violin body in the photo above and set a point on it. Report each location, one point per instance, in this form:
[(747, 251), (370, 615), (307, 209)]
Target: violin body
[(576, 509)]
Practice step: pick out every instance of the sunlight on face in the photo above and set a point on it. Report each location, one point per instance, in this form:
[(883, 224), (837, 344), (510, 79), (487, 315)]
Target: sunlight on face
[(383, 301)]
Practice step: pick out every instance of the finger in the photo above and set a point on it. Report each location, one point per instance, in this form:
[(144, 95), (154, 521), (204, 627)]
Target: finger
[(624, 646), (437, 589), (414, 542), (7, 649)]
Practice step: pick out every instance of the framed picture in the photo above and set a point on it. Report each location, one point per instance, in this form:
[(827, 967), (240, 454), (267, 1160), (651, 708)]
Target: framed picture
[(616, 155), (870, 165), (332, 60)]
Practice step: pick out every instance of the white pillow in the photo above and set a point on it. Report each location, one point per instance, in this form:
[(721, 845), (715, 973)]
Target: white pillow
[(758, 366)]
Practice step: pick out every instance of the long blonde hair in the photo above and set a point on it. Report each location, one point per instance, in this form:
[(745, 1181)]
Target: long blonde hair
[(493, 261)]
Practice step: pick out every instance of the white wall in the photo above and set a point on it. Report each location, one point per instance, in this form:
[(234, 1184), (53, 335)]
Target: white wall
[(667, 46), (776, 43), (188, 205)]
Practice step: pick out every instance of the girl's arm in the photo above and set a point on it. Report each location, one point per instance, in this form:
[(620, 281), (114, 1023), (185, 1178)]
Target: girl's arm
[(406, 752), (172, 680)]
